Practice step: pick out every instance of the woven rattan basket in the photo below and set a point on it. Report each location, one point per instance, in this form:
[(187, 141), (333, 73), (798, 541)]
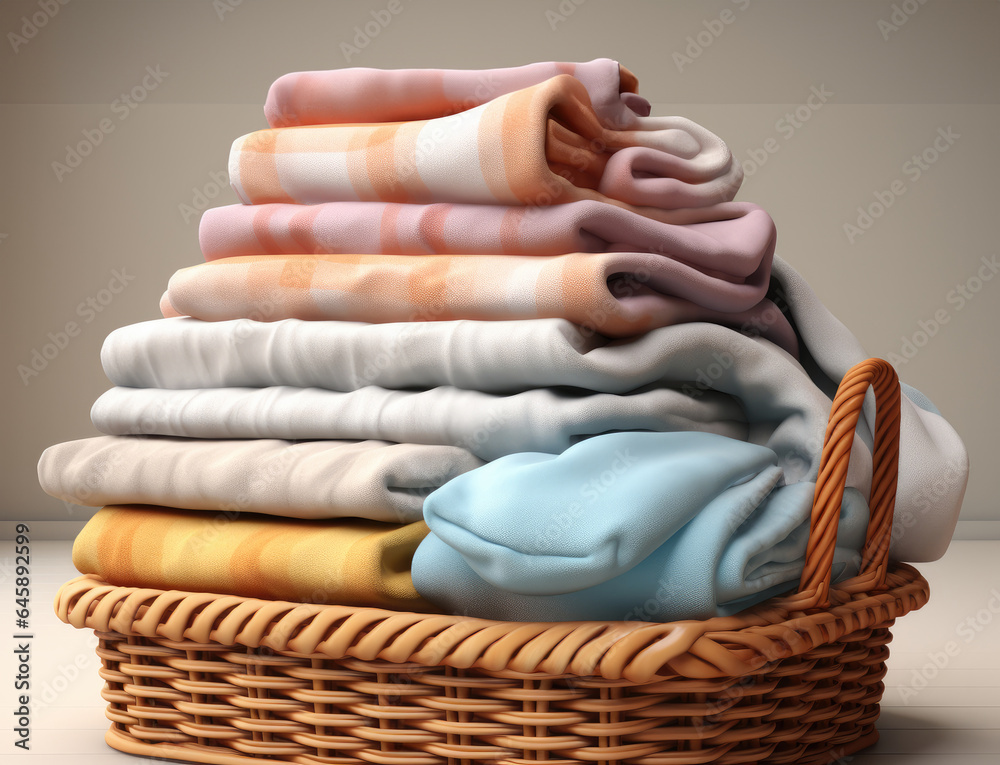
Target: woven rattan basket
[(223, 679)]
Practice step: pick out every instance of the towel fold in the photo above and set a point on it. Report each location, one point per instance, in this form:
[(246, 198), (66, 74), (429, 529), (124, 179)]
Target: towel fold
[(547, 360), (397, 95), (544, 524), (313, 479), (934, 463), (632, 526), (489, 426), (349, 562), (516, 355), (733, 238), (617, 294), (541, 145), (487, 356)]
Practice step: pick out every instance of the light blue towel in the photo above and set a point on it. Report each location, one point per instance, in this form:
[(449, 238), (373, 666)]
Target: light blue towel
[(687, 526)]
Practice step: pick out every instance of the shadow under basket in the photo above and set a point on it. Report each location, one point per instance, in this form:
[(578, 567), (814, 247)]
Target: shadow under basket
[(216, 678)]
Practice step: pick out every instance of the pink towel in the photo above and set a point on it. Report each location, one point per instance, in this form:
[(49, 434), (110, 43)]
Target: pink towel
[(733, 238), (401, 95), (614, 294)]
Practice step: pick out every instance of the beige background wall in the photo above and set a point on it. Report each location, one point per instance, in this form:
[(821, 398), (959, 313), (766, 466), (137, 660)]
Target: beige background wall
[(127, 208)]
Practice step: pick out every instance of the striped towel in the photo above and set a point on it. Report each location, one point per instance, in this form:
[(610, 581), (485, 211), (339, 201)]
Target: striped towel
[(541, 145), (349, 562), (377, 480), (732, 238), (616, 294), (400, 95)]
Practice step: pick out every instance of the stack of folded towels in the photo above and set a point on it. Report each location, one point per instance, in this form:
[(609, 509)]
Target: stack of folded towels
[(496, 343)]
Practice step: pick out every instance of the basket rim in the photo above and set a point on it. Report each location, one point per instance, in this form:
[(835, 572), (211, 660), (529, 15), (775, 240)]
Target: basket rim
[(633, 652)]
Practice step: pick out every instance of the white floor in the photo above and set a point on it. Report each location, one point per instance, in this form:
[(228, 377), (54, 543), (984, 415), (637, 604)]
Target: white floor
[(931, 714)]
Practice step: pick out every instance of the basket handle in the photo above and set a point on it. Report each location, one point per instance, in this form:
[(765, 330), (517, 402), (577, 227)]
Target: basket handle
[(814, 586)]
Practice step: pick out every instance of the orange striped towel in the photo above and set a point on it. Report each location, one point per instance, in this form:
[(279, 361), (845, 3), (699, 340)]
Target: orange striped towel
[(347, 561), (617, 294), (541, 145)]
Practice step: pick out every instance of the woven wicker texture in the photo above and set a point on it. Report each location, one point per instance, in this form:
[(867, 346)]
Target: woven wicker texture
[(220, 679)]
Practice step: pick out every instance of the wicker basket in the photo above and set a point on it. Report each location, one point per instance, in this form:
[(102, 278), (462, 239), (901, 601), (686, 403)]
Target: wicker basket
[(224, 679)]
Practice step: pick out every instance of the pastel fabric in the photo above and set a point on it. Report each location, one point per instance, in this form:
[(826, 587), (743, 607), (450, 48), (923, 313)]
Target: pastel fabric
[(347, 561), (487, 356), (400, 95), (506, 380), (541, 145), (545, 524), (377, 480), (675, 539), (514, 356), (616, 294), (485, 424), (934, 463), (733, 238)]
